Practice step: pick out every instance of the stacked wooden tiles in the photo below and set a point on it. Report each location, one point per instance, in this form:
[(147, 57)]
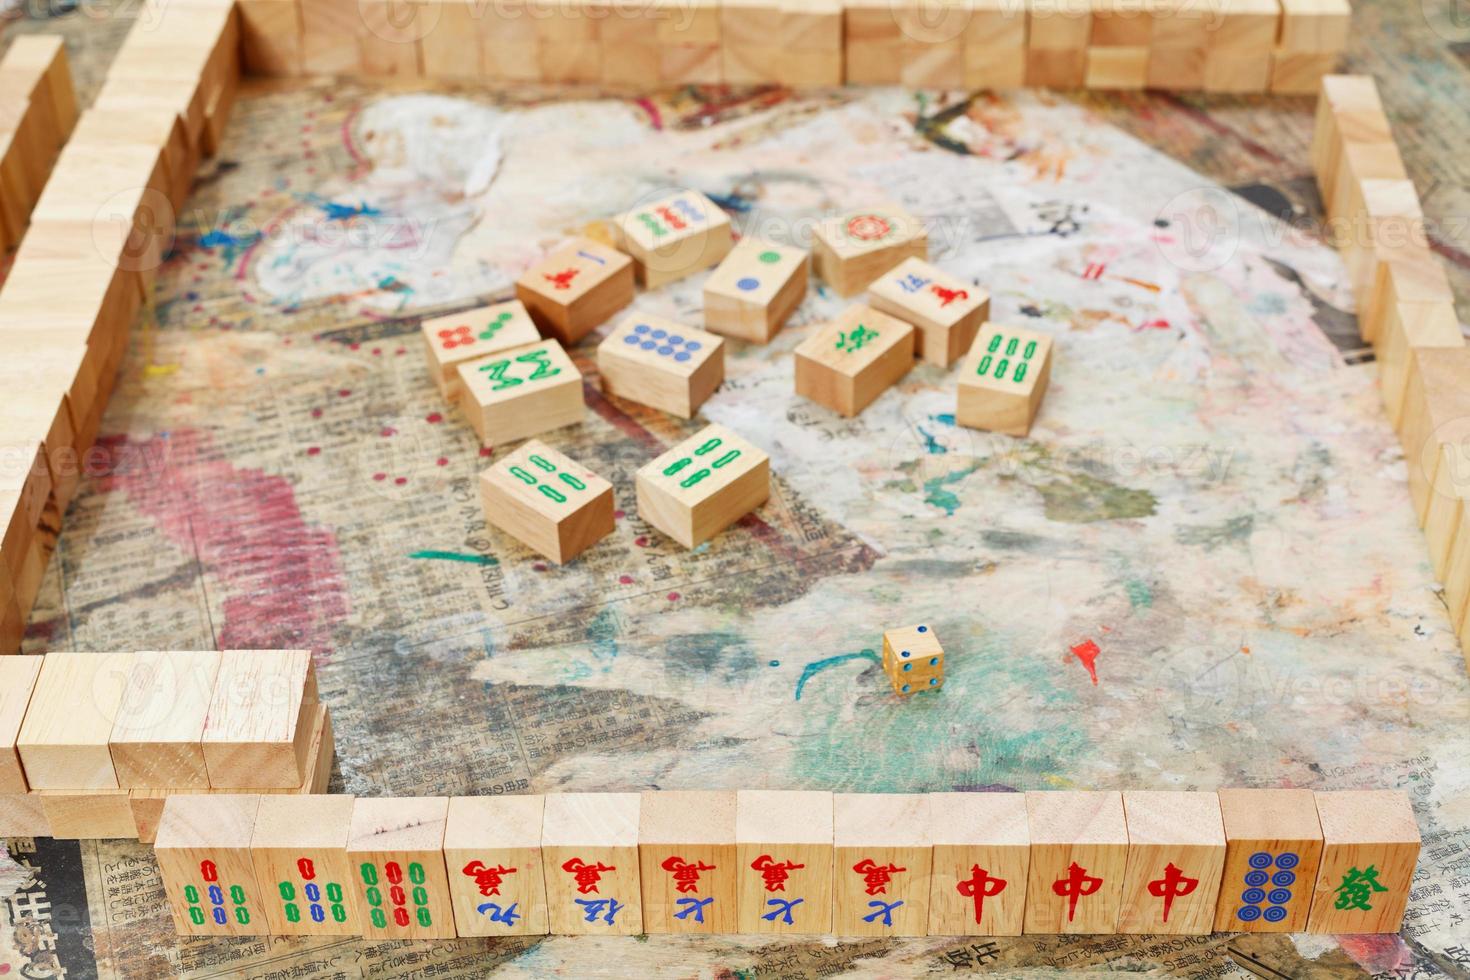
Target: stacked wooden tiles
[(87, 263), (1281, 46), (38, 109), (93, 744), (758, 861), (1406, 310)]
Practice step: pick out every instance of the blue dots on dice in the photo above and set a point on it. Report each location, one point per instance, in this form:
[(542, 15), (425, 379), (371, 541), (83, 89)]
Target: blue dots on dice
[(1275, 913), (1248, 913), (1288, 861), (1260, 859), (923, 629), (1284, 879), (1256, 878), (662, 342), (747, 284), (1253, 896), (905, 689), (933, 681), (933, 661)]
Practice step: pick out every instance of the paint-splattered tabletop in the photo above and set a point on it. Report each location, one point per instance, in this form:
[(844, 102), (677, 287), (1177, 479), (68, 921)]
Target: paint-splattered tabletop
[(1201, 569)]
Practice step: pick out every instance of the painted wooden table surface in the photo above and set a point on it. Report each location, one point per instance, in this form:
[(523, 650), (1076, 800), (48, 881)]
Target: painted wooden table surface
[(1200, 570)]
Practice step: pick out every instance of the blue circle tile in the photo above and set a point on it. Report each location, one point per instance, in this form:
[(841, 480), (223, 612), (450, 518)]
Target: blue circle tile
[(632, 339), (1275, 913), (1248, 913), (681, 356), (1260, 859), (1253, 896), (1279, 896), (675, 339), (693, 345), (747, 284), (648, 345), (1288, 861), (666, 350), (641, 328), (659, 334), (1284, 879), (1256, 878)]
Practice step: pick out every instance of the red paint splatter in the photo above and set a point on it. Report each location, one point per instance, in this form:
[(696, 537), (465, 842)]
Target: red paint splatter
[(539, 567), (1378, 954), (281, 578), (1087, 652), (673, 597), (380, 477), (344, 392), (314, 450), (618, 515), (1152, 325), (400, 481), (442, 461), (484, 451), (641, 541), (434, 418), (625, 580), (316, 413), (388, 430)]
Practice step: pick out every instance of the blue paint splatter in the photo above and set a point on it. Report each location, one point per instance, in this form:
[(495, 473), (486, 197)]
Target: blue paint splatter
[(816, 666), (931, 445), (342, 212), (944, 418)]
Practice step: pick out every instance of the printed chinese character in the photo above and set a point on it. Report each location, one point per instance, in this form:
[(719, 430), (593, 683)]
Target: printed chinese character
[(587, 875), (597, 906), (876, 876), (495, 913), (774, 875), (1173, 885), (882, 908), (782, 908), (855, 339), (1357, 887), (980, 886), (487, 879), (1077, 884), (692, 906), (686, 875), (912, 283)]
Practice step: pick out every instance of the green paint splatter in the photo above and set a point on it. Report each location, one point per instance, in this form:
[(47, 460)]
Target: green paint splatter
[(908, 745), (1139, 593), (936, 493), (1235, 530), (602, 635), (1078, 498), (456, 556)]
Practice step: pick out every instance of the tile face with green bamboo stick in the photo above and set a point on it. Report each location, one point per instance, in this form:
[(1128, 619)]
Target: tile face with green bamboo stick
[(703, 485), (1003, 379), (522, 392), (548, 502)]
